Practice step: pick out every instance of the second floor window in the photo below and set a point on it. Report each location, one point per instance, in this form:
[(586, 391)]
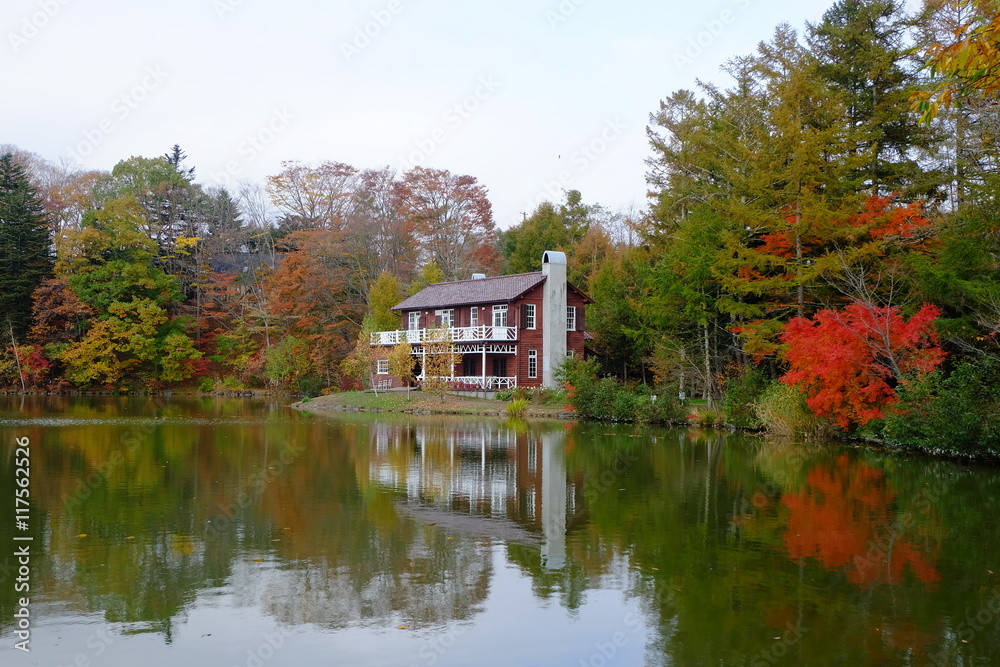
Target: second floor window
[(529, 316), (414, 320), (570, 318), (445, 317), (474, 316), (500, 316)]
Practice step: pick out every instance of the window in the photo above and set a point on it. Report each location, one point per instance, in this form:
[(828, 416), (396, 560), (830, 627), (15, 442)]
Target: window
[(570, 318), (570, 354), (474, 316), (445, 317), (532, 363), (414, 320), (500, 367), (529, 316), (382, 367), (500, 316), (469, 366)]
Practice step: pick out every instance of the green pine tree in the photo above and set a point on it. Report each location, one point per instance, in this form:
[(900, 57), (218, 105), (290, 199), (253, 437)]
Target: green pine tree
[(25, 244)]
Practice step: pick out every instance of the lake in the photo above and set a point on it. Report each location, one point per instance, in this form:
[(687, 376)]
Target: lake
[(201, 531)]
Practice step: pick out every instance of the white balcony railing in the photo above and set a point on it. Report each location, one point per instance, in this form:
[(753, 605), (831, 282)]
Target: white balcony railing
[(455, 334), (489, 383)]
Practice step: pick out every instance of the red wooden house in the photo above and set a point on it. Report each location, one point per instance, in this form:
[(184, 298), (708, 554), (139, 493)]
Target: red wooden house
[(510, 330)]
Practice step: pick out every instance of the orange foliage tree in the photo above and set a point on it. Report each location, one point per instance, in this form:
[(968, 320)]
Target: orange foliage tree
[(848, 362)]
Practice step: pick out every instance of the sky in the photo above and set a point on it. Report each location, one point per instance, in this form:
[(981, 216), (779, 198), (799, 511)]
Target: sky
[(531, 98)]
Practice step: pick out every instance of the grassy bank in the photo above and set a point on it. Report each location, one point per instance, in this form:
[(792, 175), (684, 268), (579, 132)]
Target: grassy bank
[(419, 403)]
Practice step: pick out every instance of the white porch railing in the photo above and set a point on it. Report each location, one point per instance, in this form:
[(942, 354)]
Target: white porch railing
[(455, 334), (489, 383)]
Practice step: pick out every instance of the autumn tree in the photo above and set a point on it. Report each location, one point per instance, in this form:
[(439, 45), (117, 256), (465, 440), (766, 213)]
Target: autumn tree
[(376, 227), (452, 220), (313, 197), (315, 295), (24, 245), (440, 357), (384, 294), (848, 362), (966, 62), (402, 363)]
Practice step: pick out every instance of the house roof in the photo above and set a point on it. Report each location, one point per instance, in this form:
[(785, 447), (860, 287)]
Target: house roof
[(499, 289)]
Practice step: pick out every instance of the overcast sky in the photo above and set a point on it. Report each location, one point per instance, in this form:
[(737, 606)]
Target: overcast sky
[(530, 97)]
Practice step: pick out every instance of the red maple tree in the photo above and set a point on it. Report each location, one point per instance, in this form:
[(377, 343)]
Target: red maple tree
[(848, 362)]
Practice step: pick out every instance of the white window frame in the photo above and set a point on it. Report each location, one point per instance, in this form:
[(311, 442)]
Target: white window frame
[(474, 316), (570, 318), (414, 322), (447, 316), (532, 363), (529, 316), (382, 367), (570, 353), (500, 315)]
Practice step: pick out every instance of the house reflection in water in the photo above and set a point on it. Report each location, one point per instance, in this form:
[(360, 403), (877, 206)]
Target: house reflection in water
[(481, 480)]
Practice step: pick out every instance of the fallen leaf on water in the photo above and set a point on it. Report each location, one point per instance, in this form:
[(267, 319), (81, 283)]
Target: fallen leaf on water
[(655, 568), (130, 537), (402, 627), (451, 538), (82, 535), (257, 560), (433, 524)]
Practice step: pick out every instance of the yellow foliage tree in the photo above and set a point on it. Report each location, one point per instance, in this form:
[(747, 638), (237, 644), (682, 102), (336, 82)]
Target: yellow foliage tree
[(440, 358)]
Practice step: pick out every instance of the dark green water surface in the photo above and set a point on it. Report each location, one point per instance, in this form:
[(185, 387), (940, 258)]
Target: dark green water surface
[(184, 532)]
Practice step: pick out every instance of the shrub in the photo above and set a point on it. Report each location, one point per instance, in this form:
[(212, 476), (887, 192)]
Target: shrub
[(311, 385), (517, 407), (953, 415), (741, 392), (207, 385), (783, 411)]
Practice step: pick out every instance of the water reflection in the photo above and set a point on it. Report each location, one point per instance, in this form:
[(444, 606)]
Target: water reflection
[(482, 480), (154, 516)]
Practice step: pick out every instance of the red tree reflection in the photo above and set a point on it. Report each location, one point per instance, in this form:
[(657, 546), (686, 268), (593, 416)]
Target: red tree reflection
[(842, 517)]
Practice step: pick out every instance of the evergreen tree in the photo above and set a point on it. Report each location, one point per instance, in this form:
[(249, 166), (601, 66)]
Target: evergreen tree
[(25, 241), (862, 47)]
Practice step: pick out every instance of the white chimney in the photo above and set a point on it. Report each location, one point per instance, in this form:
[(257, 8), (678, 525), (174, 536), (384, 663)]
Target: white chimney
[(553, 315)]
